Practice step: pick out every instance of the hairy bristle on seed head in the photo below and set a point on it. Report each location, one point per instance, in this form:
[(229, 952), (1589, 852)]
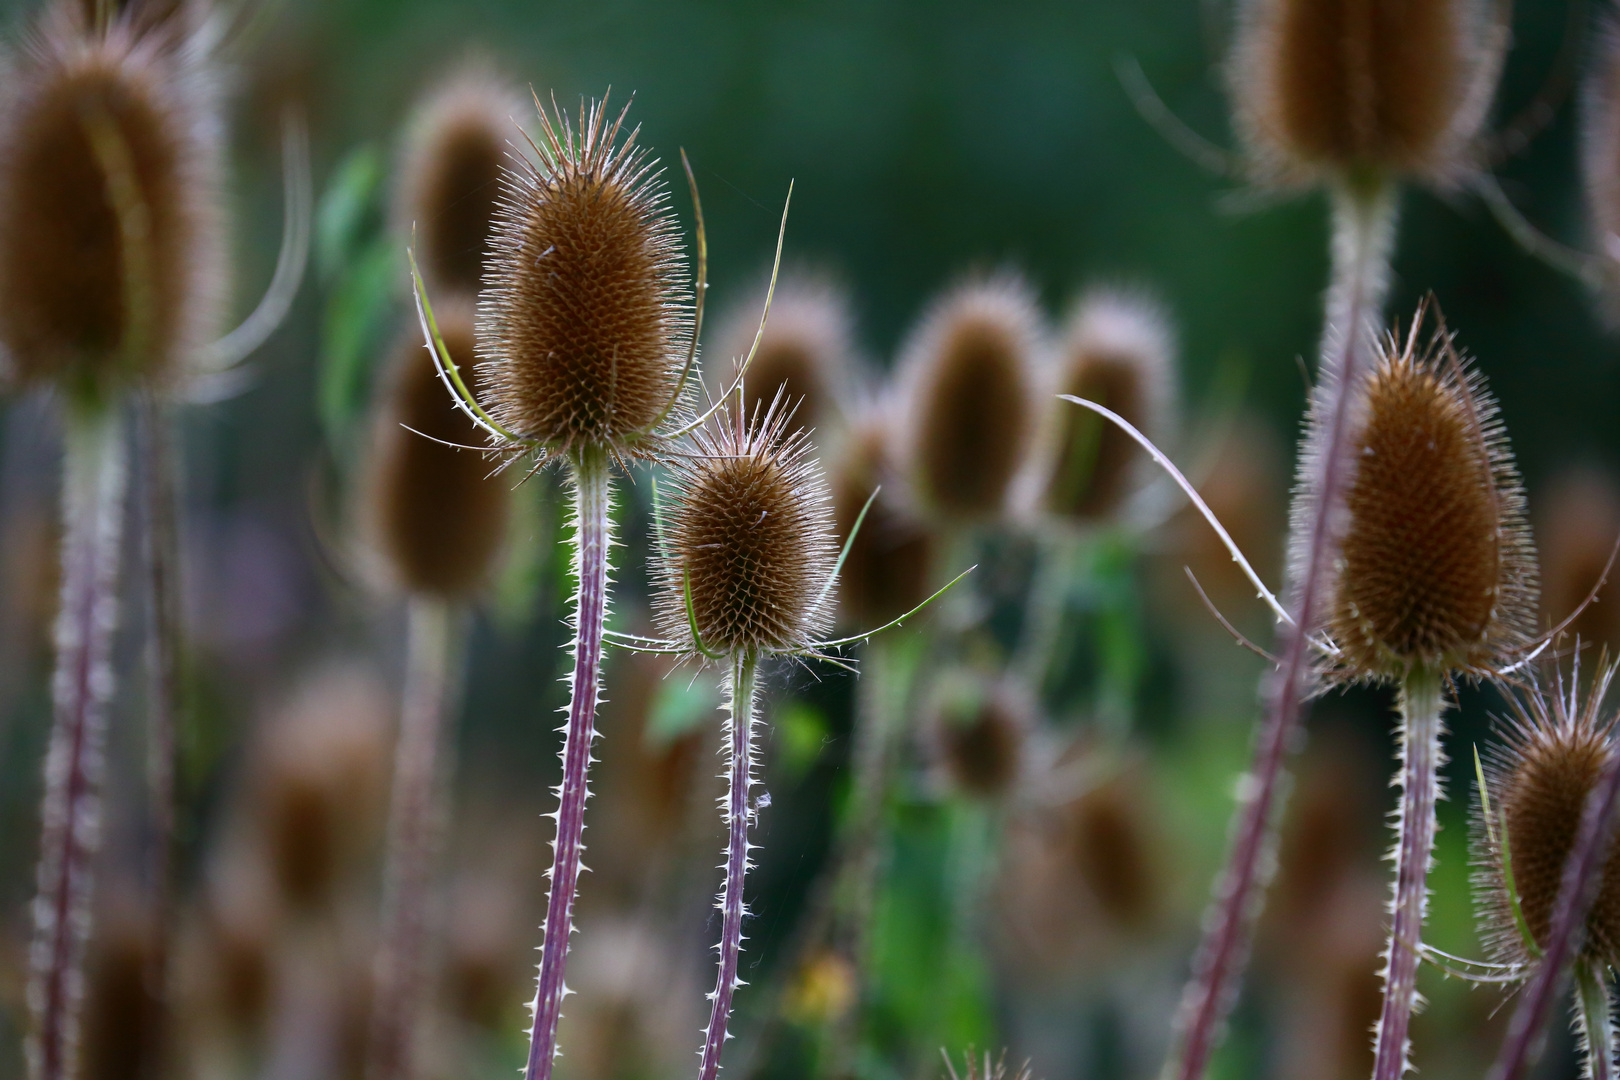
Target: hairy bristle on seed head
[(1328, 88), (1436, 567), (110, 268), (888, 570), (981, 731), (1118, 351), (969, 371), (805, 350), (1552, 749), (171, 20), (439, 513), (1577, 525), (747, 540), (450, 176), (585, 318)]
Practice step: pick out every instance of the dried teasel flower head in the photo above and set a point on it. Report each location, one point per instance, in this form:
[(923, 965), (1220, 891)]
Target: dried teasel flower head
[(585, 322), (747, 540), (1113, 851), (1552, 748), (1577, 522), (981, 732), (805, 350), (110, 268), (969, 373), (450, 171), (1119, 351), (439, 515), (1327, 91), (1436, 568), (123, 1016)]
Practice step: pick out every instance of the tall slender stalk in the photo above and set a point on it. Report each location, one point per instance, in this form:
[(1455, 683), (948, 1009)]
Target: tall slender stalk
[(592, 489), (94, 476), (1421, 705), (415, 838), (739, 814), (1594, 1009), (1364, 230)]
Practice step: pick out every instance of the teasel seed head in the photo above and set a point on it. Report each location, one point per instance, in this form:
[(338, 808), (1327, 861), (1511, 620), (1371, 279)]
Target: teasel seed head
[(123, 1016), (981, 734), (969, 373), (110, 260), (1436, 568), (1577, 522), (440, 514), (1113, 852), (748, 537), (1328, 89), (456, 146), (1538, 776), (806, 351), (585, 319), (1118, 350)]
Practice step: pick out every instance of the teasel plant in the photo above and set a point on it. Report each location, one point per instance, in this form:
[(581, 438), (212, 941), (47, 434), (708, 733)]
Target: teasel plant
[(111, 255)]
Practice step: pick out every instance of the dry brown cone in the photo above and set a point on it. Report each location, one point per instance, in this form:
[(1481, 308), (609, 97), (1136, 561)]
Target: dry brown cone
[(109, 262), (980, 734), (1333, 89), (886, 573), (969, 373), (440, 514), (456, 146), (1578, 521), (123, 1016), (1113, 852), (584, 323)]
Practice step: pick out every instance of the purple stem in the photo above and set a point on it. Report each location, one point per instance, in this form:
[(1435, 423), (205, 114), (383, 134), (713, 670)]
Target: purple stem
[(1364, 229), (93, 506), (591, 491), (1583, 874), (739, 813)]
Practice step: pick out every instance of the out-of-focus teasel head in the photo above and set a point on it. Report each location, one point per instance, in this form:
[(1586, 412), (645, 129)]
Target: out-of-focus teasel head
[(805, 350), (1577, 520), (123, 1015), (980, 731), (1436, 570), (456, 145), (1346, 89), (585, 324), (1118, 350), (439, 514), (970, 377), (1114, 852), (110, 271)]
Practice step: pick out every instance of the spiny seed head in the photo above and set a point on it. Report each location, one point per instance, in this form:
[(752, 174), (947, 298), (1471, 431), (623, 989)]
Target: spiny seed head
[(1578, 523), (450, 176), (1118, 351), (439, 513), (805, 350), (969, 377), (1325, 89), (1539, 775), (1436, 569), (888, 570), (585, 320), (1600, 156), (981, 732), (748, 538), (110, 268)]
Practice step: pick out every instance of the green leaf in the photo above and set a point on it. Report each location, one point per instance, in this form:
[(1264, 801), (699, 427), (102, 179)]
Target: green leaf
[(349, 213), (802, 734), (352, 336)]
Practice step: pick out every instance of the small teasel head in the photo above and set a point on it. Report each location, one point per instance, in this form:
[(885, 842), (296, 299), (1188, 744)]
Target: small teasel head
[(1536, 780), (456, 145), (109, 264), (805, 350), (1117, 350), (584, 321), (1436, 568), (970, 378), (748, 552), (1577, 521), (438, 512), (980, 732), (1333, 90), (1113, 851)]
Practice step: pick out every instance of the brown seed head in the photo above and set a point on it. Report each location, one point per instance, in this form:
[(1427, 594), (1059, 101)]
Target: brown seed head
[(450, 177), (1329, 88), (969, 372), (1437, 568), (109, 260), (981, 734), (585, 320), (1117, 351), (1578, 523), (122, 1016), (750, 530), (1112, 852), (1538, 777), (440, 514)]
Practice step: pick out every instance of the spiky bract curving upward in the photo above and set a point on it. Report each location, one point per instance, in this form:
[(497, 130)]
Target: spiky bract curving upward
[(1325, 88), (111, 266), (1538, 776), (1437, 568), (748, 537), (585, 318)]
